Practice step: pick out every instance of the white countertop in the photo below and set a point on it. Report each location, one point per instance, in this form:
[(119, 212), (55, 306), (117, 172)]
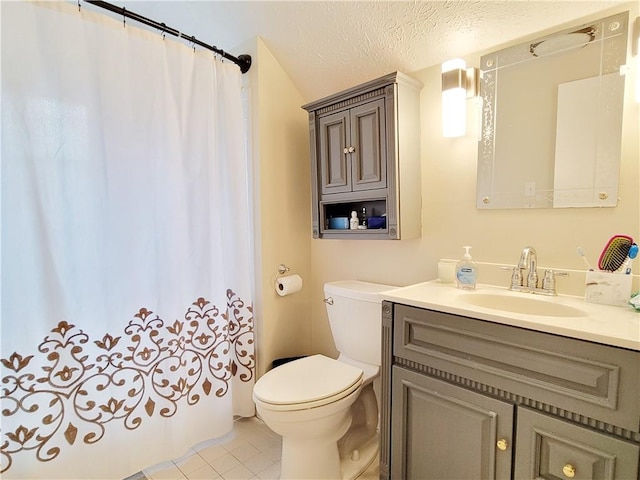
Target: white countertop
[(610, 325)]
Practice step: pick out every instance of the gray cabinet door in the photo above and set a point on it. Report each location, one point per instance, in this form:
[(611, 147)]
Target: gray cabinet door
[(369, 156), (440, 431), (334, 138), (353, 151), (550, 449)]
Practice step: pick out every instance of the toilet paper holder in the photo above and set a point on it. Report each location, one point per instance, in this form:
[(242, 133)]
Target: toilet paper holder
[(282, 269), (286, 284)]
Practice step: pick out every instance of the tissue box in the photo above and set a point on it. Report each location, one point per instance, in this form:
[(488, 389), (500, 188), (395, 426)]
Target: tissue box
[(607, 288)]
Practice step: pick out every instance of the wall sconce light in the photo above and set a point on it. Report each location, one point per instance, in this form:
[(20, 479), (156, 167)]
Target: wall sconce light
[(458, 84)]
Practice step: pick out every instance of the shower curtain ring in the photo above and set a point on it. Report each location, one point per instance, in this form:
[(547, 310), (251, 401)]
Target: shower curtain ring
[(124, 17)]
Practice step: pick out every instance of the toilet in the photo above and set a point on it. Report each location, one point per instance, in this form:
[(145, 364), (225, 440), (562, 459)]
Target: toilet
[(325, 409)]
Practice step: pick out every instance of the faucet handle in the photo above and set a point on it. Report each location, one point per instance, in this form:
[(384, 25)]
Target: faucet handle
[(549, 280), (516, 277)]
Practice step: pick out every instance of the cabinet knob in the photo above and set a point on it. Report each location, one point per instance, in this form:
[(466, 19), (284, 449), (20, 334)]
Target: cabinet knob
[(502, 444), (569, 470), (352, 149), (346, 150)]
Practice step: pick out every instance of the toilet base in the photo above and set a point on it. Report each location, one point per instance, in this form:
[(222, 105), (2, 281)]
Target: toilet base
[(310, 449), (367, 453), (315, 460), (349, 467), (341, 446)]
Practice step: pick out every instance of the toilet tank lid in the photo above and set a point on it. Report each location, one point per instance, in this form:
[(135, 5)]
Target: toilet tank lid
[(358, 290)]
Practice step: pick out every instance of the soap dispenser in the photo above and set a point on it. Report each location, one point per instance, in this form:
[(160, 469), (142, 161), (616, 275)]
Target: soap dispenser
[(466, 272)]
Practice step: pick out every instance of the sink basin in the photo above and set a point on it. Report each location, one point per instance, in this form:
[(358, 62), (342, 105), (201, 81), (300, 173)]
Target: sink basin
[(526, 306)]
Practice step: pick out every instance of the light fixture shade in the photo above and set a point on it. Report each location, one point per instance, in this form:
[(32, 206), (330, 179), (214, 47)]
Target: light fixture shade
[(454, 98)]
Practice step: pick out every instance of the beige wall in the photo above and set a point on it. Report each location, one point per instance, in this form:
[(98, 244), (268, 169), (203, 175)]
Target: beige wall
[(282, 203), (297, 324)]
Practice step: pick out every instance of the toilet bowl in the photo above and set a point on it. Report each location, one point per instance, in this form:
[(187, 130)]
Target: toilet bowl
[(325, 409)]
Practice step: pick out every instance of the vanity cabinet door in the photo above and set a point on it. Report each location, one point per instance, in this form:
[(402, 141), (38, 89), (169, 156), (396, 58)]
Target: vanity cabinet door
[(550, 449), (440, 431)]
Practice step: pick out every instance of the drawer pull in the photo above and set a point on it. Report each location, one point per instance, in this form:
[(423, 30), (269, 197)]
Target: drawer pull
[(502, 444), (569, 470)]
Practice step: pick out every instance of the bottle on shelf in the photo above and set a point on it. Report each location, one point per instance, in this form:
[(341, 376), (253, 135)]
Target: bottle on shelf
[(363, 219), (353, 221)]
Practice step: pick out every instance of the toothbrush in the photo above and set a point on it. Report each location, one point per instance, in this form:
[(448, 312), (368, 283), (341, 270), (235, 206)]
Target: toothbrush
[(633, 253), (581, 253)]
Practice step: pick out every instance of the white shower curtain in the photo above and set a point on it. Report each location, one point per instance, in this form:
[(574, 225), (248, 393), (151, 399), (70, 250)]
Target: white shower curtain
[(127, 325)]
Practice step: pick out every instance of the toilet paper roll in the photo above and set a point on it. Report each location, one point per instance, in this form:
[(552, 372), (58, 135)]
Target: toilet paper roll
[(288, 285)]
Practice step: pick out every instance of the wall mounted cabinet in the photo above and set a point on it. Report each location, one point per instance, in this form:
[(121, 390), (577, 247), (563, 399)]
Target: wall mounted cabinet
[(467, 398), (365, 153)]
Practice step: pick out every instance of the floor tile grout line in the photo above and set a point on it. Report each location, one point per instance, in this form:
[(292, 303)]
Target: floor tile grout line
[(244, 429), (245, 440)]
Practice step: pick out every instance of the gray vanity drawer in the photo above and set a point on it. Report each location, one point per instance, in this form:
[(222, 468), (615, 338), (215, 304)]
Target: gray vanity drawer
[(597, 381), (551, 448)]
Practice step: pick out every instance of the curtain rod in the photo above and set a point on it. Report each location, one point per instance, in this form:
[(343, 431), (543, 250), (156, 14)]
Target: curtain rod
[(243, 61)]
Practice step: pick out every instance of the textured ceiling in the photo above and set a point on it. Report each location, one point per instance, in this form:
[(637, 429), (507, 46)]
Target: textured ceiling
[(328, 46)]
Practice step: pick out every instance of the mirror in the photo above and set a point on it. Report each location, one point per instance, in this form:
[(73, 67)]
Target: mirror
[(552, 119)]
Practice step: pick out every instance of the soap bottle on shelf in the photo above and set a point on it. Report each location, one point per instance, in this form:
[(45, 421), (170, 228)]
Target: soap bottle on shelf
[(353, 221), (466, 272)]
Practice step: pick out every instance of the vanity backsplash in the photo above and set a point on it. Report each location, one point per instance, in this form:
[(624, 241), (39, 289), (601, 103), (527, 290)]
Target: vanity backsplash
[(573, 283)]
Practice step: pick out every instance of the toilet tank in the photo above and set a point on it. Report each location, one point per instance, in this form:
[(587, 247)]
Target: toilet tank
[(355, 316)]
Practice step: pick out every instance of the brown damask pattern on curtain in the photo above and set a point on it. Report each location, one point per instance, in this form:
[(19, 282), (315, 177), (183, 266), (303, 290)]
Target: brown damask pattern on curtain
[(58, 386)]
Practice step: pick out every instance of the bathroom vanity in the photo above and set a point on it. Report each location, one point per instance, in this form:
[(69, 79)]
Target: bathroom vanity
[(475, 388)]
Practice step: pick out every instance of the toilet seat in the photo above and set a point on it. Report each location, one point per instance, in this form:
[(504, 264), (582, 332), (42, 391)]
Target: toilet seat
[(307, 383)]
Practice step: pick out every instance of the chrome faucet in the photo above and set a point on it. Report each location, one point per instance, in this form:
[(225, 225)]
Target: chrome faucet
[(529, 283), (529, 260)]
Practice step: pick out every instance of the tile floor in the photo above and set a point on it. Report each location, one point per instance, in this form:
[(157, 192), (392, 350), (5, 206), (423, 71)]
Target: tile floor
[(250, 452)]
